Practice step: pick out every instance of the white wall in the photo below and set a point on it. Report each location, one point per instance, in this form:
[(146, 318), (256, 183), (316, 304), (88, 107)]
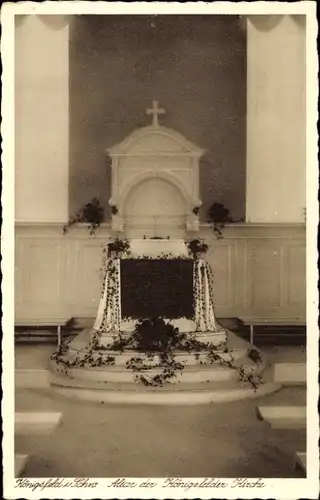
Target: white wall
[(276, 121), (259, 270), (41, 119)]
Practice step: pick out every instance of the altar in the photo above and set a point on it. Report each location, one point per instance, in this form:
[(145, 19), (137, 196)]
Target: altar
[(156, 278)]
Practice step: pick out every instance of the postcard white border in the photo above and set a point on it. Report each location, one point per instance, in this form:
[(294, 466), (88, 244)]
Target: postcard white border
[(276, 488)]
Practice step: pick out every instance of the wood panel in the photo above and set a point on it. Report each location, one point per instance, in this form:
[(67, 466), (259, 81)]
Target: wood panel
[(89, 263), (263, 275), (258, 271), (294, 266), (40, 279), (221, 257)]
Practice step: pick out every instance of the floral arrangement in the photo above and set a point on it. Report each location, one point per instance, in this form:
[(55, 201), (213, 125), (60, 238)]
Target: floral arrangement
[(196, 210), (117, 247), (218, 216), (92, 212), (197, 247), (114, 209)]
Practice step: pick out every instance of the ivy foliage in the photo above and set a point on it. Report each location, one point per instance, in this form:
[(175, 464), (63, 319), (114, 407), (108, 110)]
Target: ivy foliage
[(117, 247), (197, 247), (218, 216), (92, 212)]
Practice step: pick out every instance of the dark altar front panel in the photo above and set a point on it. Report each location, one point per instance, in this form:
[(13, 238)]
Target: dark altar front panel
[(156, 288)]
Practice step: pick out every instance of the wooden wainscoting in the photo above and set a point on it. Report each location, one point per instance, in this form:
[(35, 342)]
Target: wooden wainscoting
[(259, 270), (55, 274)]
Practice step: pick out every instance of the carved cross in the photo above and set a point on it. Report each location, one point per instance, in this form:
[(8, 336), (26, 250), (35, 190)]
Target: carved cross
[(155, 111)]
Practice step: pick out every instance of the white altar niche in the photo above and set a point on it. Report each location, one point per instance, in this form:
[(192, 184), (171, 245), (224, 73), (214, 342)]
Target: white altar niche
[(155, 182)]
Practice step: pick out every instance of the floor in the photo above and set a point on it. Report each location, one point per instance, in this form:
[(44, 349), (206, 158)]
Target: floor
[(222, 440), (205, 441)]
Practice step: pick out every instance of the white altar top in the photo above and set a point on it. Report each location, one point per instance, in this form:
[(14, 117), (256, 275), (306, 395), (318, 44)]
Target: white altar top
[(154, 247)]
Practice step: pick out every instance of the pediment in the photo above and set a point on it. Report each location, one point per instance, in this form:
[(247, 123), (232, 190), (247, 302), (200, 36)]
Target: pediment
[(155, 141)]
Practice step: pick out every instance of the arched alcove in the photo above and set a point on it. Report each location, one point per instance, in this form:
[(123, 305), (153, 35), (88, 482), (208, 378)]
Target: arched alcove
[(154, 207)]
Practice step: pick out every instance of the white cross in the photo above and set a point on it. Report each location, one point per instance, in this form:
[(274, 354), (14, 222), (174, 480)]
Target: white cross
[(155, 111)]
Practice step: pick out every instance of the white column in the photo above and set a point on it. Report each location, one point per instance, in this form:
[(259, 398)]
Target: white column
[(276, 121), (41, 118)]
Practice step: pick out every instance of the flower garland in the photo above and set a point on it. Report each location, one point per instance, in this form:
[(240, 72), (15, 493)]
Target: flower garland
[(111, 320)]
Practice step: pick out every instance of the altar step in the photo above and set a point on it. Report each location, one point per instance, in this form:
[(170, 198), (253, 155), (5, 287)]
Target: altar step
[(291, 373), (198, 383), (20, 463), (238, 346), (30, 378), (195, 373), (301, 460), (187, 358), (175, 394), (284, 417)]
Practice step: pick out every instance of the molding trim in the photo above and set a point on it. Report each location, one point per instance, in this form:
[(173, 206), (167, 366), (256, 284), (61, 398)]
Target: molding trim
[(231, 231)]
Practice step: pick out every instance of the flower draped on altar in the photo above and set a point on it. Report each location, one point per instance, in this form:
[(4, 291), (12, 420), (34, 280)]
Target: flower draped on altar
[(109, 311), (110, 320), (204, 312)]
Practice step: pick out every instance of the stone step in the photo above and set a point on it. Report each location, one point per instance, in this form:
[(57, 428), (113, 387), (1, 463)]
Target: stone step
[(301, 460), (290, 373), (233, 341), (121, 358), (32, 378), (27, 423), (283, 416), (199, 384), (288, 396), (190, 374), (181, 393), (38, 400), (20, 462)]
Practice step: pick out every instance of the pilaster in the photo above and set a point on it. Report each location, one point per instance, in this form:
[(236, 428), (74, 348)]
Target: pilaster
[(41, 118), (276, 118)]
